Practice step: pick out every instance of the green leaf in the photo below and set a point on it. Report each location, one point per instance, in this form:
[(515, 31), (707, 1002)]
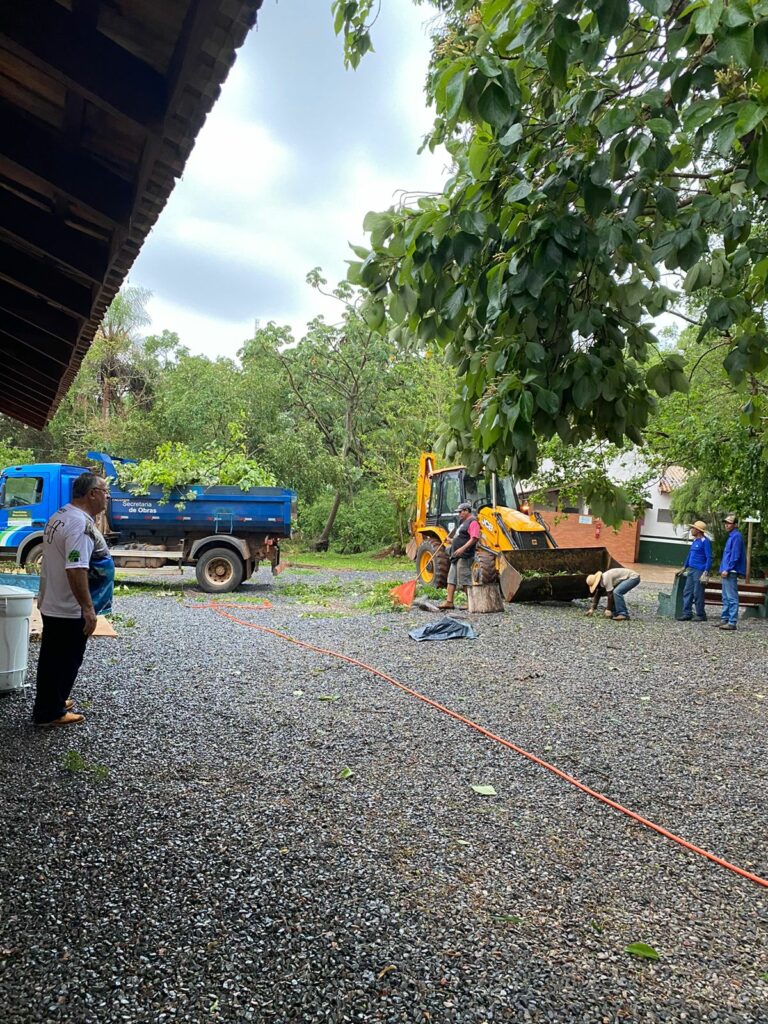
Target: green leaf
[(584, 392), (691, 278), (642, 950), (345, 773), (699, 113), (478, 157), (512, 135), (507, 918), (329, 697), (454, 304), (465, 248), (660, 126), (494, 106), (612, 16), (548, 401), (615, 120), (484, 790), (518, 191), (750, 115), (707, 18), (737, 46), (535, 352), (761, 163), (596, 198), (666, 201), (454, 91), (557, 62)]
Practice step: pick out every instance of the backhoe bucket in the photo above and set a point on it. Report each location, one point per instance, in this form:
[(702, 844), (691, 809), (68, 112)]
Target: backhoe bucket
[(557, 574)]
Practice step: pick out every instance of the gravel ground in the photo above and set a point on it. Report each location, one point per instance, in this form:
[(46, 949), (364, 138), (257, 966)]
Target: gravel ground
[(201, 859)]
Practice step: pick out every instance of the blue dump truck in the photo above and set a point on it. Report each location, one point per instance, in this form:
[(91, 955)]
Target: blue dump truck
[(224, 532)]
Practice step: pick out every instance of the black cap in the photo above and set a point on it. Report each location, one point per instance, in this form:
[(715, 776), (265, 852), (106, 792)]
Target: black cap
[(465, 506)]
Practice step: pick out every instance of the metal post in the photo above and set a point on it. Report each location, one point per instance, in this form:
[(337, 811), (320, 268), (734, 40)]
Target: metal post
[(493, 489), (749, 547)]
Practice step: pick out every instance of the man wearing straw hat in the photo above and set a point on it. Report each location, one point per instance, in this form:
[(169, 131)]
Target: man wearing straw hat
[(615, 583), (696, 568)]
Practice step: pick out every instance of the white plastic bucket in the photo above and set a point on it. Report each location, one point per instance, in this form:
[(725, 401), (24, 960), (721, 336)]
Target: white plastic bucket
[(15, 613)]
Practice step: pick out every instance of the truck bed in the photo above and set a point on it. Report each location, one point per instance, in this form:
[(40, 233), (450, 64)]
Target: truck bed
[(226, 510)]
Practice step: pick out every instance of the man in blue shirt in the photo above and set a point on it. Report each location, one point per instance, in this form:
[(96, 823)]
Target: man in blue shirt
[(697, 566), (732, 565)]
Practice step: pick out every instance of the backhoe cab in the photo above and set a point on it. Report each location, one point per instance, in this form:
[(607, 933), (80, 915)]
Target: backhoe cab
[(515, 548)]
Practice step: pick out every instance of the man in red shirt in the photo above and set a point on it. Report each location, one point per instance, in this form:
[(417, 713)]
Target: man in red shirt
[(463, 545)]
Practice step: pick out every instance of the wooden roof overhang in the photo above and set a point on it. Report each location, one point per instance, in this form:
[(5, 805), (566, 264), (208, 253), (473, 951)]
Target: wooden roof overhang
[(100, 104)]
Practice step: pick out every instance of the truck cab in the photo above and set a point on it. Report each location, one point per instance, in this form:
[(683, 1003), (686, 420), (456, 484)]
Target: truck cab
[(29, 495)]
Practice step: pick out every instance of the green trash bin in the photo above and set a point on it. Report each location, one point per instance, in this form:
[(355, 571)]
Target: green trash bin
[(671, 605)]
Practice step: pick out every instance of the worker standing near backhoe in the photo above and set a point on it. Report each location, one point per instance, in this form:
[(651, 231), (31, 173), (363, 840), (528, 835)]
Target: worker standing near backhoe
[(463, 543)]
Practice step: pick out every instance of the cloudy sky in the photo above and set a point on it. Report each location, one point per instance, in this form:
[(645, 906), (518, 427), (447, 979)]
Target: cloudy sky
[(291, 158)]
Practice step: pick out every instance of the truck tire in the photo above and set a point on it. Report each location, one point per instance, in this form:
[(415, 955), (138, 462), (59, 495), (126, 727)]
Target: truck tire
[(432, 564), (219, 571), (484, 569), (33, 559)]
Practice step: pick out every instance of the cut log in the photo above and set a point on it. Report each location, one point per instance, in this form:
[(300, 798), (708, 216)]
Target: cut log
[(484, 599)]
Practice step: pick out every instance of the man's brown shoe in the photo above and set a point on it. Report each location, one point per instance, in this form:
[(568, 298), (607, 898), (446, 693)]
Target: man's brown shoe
[(68, 705), (66, 719), (445, 605)]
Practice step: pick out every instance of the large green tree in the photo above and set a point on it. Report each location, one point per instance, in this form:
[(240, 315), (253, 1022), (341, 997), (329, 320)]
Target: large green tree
[(609, 159)]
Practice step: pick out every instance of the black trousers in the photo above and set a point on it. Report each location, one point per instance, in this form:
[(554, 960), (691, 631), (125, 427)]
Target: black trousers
[(61, 654)]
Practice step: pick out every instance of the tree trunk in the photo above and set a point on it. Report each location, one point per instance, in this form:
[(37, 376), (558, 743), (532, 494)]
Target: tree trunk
[(487, 598), (321, 544)]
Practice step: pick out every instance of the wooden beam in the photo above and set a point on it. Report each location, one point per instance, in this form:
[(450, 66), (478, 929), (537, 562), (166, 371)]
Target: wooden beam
[(29, 397), (72, 51), (27, 145), (26, 392), (22, 413), (20, 358), (82, 253), (37, 313), (38, 341), (45, 280)]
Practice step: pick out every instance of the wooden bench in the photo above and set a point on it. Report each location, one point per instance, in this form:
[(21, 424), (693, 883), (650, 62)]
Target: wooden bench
[(753, 597)]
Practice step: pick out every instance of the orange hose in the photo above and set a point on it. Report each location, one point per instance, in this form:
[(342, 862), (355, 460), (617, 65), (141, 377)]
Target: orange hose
[(217, 608)]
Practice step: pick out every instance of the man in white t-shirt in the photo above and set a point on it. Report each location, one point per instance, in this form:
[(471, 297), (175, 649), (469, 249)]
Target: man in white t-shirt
[(70, 541)]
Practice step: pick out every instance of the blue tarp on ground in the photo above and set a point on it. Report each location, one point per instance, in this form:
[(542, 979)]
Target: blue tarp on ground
[(444, 629)]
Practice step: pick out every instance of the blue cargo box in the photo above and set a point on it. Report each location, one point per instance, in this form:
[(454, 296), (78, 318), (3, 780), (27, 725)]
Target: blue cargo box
[(262, 510)]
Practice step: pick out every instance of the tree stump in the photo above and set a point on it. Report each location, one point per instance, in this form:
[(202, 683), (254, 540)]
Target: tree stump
[(485, 598)]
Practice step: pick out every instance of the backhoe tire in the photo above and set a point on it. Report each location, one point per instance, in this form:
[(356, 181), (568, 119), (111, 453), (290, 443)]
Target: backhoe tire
[(33, 559), (484, 569), (432, 564), (219, 571)]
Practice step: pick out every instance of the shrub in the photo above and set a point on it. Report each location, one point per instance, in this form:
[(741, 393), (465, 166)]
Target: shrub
[(366, 523)]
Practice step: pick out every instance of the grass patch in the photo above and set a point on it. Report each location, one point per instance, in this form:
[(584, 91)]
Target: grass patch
[(438, 594), (74, 763), (365, 562), (127, 621), (378, 599), (130, 588), (308, 593)]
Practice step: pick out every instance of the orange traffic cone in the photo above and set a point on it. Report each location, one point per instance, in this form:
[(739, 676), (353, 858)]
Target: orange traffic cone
[(404, 594)]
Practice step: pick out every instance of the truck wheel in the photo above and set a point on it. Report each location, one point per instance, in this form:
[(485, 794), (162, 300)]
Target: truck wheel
[(33, 559), (219, 571), (432, 564), (484, 569)]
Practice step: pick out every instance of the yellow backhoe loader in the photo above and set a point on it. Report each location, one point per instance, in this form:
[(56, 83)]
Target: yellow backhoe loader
[(515, 546)]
